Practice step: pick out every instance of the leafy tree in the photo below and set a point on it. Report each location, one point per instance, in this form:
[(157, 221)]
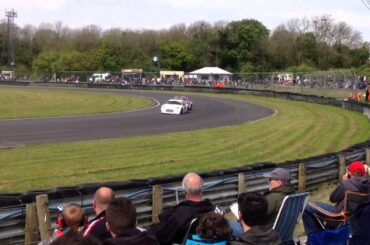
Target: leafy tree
[(69, 61), (281, 48), (360, 56), (244, 42), (364, 70), (308, 47), (175, 57), (203, 43), (237, 46), (44, 61)]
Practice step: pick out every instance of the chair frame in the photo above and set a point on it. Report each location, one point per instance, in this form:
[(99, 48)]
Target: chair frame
[(298, 216), (192, 222), (352, 200)]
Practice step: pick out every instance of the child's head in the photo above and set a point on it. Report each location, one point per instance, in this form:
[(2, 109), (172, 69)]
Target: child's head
[(73, 217)]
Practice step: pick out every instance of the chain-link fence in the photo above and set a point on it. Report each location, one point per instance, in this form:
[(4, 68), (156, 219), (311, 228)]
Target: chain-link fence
[(339, 84)]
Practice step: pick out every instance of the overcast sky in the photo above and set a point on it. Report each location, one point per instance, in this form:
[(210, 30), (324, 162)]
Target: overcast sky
[(159, 14)]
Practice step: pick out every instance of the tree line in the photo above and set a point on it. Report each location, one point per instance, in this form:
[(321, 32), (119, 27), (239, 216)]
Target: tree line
[(242, 46)]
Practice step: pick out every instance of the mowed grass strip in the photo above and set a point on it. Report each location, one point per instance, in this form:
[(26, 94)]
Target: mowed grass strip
[(30, 103), (299, 130), (338, 93)]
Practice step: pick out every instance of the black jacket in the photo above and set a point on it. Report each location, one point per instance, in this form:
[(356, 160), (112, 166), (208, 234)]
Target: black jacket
[(173, 223), (356, 183), (274, 199), (258, 235), (97, 228), (70, 234), (132, 236)]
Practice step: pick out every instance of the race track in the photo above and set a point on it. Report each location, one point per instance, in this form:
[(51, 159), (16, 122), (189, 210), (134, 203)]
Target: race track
[(208, 112)]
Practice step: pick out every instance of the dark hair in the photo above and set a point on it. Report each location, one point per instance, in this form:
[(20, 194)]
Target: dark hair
[(121, 214), (253, 208), (214, 226)]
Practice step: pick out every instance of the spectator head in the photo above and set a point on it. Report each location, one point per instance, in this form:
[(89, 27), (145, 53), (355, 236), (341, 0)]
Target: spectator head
[(192, 184), (214, 226), (356, 168), (73, 217), (278, 177), (102, 197), (252, 209), (120, 215)]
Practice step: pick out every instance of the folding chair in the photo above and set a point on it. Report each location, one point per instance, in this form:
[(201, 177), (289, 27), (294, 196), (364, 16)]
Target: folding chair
[(191, 229), (352, 200), (289, 215)]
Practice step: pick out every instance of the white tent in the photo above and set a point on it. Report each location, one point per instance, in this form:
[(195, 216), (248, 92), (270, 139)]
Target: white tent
[(211, 70), (212, 74)]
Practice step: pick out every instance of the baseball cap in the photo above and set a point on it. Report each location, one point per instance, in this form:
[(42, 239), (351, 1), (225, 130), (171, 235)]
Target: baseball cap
[(280, 174), (357, 167)]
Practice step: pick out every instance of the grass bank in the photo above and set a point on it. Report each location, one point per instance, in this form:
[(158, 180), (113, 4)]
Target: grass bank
[(298, 130), (28, 103)]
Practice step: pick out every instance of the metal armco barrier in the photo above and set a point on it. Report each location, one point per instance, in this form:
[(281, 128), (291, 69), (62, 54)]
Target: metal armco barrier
[(152, 196)]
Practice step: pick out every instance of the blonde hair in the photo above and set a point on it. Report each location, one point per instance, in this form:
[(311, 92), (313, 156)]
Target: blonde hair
[(73, 216)]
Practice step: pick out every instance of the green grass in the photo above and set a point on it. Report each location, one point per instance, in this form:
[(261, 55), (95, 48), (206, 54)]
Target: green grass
[(326, 92), (298, 130), (28, 103)]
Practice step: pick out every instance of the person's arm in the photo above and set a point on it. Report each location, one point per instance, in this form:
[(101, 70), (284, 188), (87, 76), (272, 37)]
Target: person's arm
[(338, 194), (271, 204)]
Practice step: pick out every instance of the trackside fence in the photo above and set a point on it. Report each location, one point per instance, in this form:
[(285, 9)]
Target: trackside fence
[(28, 217)]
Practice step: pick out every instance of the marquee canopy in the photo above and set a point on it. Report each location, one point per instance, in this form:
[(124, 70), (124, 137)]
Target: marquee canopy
[(211, 70)]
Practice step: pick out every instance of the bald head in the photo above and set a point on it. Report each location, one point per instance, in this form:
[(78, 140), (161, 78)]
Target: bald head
[(192, 184), (102, 198)]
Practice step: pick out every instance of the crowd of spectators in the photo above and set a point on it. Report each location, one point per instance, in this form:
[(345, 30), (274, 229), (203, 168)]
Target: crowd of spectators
[(196, 220), (237, 80)]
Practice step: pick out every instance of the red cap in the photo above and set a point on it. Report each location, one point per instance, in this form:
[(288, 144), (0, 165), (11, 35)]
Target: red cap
[(357, 167)]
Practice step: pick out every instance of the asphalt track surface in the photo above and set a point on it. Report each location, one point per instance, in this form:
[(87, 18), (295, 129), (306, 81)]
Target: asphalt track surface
[(208, 112)]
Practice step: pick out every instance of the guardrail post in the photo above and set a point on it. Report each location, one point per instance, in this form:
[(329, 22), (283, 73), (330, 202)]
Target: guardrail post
[(242, 188), (342, 167), (43, 214), (32, 224), (368, 156), (302, 177), (157, 202)]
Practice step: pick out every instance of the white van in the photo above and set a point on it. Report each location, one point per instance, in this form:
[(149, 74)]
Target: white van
[(99, 77), (7, 75)]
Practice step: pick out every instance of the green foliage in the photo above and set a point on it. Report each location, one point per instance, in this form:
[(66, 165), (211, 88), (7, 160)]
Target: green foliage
[(247, 68), (174, 56), (68, 61), (243, 45), (302, 68), (244, 42), (364, 70), (360, 56), (308, 45), (45, 60)]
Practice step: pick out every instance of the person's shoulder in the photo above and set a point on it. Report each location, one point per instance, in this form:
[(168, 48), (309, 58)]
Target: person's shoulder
[(272, 194)]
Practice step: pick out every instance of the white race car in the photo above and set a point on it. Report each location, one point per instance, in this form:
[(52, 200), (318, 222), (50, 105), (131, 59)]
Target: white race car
[(187, 100), (174, 106)]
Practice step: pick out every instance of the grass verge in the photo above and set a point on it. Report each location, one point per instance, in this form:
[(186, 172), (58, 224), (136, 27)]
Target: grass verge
[(28, 103)]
